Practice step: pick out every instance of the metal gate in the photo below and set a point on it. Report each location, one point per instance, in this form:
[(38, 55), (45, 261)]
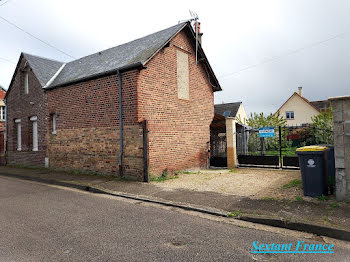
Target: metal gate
[(218, 148), (279, 150)]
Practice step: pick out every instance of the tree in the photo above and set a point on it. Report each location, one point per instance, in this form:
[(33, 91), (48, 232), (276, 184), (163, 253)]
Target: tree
[(322, 127), (260, 120), (256, 143)]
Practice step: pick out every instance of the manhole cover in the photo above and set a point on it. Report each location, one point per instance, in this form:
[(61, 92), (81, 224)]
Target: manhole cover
[(178, 242)]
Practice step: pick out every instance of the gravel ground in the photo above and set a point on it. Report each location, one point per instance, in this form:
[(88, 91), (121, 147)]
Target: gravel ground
[(245, 182)]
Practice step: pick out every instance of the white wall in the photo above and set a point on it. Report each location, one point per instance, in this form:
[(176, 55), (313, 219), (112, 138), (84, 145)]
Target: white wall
[(241, 114), (302, 111)]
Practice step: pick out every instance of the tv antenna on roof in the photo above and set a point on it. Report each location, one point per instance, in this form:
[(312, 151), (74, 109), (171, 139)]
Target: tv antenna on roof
[(196, 28), (193, 15)]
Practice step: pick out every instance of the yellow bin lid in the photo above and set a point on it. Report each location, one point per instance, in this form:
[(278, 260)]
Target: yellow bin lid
[(311, 148)]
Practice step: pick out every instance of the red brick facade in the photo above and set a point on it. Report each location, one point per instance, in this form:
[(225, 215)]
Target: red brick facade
[(87, 124), (178, 129), (23, 106), (2, 128), (87, 119), (2, 122)]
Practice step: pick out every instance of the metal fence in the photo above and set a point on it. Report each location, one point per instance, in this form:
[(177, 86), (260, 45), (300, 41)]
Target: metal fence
[(278, 150)]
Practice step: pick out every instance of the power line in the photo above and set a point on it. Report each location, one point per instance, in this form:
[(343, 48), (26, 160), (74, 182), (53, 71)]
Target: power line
[(7, 60), (271, 59), (37, 38), (5, 2)]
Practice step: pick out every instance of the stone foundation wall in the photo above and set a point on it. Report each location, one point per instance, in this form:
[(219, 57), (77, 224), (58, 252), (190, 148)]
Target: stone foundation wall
[(97, 150), (26, 158)]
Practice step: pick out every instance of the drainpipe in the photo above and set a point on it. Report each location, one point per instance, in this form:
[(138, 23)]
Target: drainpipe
[(120, 159)]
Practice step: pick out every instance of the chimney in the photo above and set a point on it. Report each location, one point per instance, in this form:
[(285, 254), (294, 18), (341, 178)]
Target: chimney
[(300, 90), (197, 29)]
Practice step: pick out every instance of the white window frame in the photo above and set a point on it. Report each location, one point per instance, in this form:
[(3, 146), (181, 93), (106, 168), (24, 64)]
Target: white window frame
[(19, 134), (54, 124), (2, 113), (290, 115), (26, 83), (34, 119)]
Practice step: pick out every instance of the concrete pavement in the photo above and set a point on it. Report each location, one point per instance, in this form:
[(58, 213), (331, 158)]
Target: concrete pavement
[(44, 223)]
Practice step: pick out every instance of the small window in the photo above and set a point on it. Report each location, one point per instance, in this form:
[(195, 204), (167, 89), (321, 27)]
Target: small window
[(2, 113), (227, 113), (26, 83), (19, 134), (290, 114), (34, 120), (54, 124)]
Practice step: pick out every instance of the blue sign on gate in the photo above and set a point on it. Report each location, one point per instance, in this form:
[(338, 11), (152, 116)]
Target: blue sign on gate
[(266, 132)]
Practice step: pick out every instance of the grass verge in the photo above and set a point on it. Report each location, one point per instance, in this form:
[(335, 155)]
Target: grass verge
[(294, 183), (235, 214)]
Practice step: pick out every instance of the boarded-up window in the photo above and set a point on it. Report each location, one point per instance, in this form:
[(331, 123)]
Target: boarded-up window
[(183, 91)]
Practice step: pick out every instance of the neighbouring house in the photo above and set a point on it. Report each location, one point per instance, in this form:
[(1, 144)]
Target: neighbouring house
[(235, 110), (322, 105), (138, 109), (227, 120), (299, 111), (2, 109), (2, 125)]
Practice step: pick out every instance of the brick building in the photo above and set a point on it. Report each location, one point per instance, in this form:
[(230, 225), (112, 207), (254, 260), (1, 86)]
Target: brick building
[(2, 109), (2, 125), (67, 115)]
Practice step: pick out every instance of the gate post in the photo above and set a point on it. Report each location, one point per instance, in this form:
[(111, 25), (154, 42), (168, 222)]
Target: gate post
[(280, 143), (341, 131), (231, 142)]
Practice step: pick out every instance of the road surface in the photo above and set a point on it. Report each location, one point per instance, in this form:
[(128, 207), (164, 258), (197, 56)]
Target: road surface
[(39, 222)]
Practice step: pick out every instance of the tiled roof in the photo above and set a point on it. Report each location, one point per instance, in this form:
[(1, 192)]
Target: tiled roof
[(321, 105), (51, 73), (139, 50), (231, 109), (44, 69)]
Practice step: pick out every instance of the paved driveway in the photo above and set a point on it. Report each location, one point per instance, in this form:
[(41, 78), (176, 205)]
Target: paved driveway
[(44, 223)]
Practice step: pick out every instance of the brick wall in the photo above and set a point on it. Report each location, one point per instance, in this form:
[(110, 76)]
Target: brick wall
[(23, 106), (2, 125), (179, 128), (2, 130), (87, 118), (87, 124)]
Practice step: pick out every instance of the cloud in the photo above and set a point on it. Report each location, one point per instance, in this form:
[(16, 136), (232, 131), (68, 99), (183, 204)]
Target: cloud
[(237, 35)]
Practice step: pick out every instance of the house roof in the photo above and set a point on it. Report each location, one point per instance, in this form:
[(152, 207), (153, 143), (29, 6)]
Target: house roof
[(2, 95), (231, 109), (44, 69), (296, 94), (134, 54), (139, 50), (321, 105)]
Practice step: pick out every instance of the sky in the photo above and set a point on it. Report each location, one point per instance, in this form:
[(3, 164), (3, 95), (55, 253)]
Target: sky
[(261, 51)]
